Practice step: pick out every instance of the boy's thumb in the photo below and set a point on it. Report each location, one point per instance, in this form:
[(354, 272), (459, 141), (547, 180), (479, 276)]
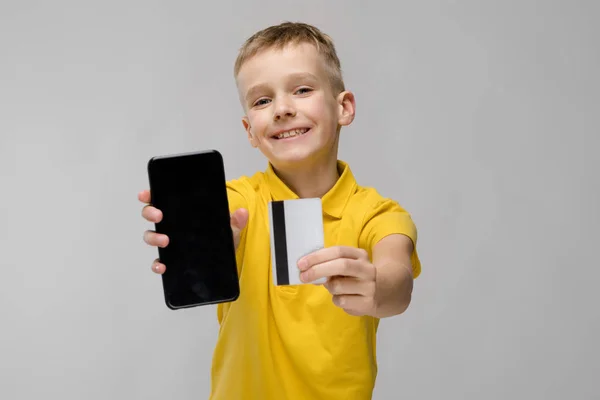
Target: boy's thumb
[(239, 219)]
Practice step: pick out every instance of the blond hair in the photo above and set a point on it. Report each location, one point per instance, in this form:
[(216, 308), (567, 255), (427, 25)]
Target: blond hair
[(279, 36)]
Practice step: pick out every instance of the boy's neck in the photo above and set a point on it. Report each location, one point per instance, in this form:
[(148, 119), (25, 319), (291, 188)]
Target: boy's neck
[(310, 181)]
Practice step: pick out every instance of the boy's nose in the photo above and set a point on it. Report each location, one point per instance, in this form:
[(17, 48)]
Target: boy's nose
[(283, 109)]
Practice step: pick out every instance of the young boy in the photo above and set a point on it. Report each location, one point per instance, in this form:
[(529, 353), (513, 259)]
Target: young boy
[(309, 341)]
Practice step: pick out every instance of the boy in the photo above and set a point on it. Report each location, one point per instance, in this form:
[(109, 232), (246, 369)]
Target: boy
[(309, 341)]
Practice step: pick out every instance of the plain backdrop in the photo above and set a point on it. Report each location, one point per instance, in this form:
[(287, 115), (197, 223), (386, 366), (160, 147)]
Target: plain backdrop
[(479, 117)]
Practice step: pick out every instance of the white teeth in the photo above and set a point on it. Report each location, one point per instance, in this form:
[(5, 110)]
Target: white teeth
[(294, 132)]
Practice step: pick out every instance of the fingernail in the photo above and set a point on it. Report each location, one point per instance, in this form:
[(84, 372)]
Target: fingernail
[(302, 264)]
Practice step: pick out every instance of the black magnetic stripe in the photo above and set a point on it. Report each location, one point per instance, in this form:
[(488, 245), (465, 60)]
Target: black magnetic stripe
[(280, 243)]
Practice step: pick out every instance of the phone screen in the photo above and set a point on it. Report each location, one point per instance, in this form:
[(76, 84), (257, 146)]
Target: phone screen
[(200, 261)]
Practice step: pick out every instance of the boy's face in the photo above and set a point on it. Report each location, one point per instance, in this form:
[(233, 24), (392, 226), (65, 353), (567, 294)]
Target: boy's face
[(289, 92)]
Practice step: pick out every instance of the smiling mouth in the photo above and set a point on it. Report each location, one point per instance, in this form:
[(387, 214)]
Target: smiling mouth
[(292, 133)]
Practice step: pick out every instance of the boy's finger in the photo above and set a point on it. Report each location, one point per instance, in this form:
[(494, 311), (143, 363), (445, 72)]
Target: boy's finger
[(158, 267), (330, 254), (156, 239), (341, 285), (152, 214), (338, 267), (239, 219), (144, 196)]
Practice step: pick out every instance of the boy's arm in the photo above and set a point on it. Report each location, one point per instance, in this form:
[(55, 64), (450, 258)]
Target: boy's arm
[(391, 236), (394, 275)]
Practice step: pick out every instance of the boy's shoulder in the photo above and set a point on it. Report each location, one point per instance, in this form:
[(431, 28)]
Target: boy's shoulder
[(376, 216), (248, 184), (368, 201), (370, 197), (372, 209), (244, 190)]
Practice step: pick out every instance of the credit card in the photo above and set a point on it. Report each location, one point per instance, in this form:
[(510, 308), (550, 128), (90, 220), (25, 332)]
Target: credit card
[(296, 228)]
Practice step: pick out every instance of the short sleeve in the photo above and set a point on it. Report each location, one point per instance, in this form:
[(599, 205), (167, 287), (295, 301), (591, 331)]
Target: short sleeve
[(385, 218)]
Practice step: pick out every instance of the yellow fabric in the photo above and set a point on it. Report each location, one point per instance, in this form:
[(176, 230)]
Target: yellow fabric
[(292, 342)]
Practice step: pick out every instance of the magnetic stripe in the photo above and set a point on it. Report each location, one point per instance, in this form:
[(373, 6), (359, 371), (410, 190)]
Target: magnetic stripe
[(280, 239)]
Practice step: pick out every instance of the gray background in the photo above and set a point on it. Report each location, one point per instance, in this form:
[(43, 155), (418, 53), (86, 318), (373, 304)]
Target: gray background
[(481, 118)]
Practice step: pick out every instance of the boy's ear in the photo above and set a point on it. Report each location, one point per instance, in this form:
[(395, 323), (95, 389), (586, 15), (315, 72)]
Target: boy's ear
[(346, 107), (248, 128)]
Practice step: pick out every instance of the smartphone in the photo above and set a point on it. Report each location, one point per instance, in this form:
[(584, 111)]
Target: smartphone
[(190, 190)]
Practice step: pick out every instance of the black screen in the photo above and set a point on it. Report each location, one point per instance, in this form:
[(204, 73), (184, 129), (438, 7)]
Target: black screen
[(200, 259)]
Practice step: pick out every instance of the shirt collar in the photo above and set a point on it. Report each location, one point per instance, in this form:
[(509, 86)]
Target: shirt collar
[(333, 202)]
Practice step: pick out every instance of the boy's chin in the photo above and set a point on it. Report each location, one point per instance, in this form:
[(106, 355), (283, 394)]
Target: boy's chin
[(292, 158)]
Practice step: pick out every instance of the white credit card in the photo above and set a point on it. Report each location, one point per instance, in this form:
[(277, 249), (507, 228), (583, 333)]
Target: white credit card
[(296, 228)]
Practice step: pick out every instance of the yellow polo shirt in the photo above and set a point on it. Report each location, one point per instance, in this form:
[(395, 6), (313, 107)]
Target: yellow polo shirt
[(292, 342)]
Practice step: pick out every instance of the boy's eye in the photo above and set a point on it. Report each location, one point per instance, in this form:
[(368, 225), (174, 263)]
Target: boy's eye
[(303, 90), (261, 102)]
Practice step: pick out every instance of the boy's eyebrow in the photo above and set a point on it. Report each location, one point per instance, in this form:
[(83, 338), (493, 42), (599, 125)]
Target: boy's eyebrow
[(292, 77), (254, 89), (303, 75)]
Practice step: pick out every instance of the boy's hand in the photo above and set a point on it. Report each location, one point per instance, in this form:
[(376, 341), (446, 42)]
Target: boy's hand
[(351, 277), (239, 219)]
